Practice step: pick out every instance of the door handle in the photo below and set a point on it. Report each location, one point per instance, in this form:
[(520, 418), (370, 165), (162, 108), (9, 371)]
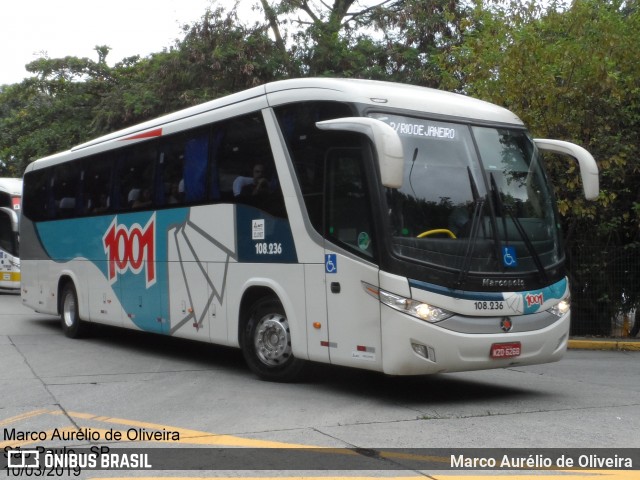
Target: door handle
[(335, 287)]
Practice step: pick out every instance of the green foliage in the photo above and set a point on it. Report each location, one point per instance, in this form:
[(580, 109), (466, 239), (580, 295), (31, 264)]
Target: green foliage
[(71, 99), (74, 99), (570, 71), (217, 56), (52, 111), (571, 74)]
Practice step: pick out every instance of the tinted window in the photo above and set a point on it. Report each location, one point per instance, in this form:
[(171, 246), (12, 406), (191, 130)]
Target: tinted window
[(308, 147), (348, 204), (190, 168), (244, 165), (36, 199), (7, 235), (182, 169), (65, 190), (96, 184), (135, 168)]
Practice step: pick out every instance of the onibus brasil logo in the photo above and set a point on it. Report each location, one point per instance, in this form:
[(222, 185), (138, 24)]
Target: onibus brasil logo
[(131, 248)]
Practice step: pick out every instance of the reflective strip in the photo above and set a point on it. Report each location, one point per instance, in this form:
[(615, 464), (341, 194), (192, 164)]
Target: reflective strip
[(362, 348)]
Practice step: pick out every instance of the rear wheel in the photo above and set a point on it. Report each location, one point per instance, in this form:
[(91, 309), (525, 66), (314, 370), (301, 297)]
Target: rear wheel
[(266, 342), (72, 326)]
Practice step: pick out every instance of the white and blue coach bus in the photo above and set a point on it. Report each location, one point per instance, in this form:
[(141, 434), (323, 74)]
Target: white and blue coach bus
[(10, 202), (358, 223)]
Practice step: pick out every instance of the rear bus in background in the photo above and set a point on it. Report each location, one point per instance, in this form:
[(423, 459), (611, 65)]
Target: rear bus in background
[(10, 202), (359, 223)]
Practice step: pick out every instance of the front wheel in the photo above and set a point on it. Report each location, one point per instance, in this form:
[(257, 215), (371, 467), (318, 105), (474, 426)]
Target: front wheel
[(72, 326), (266, 343)]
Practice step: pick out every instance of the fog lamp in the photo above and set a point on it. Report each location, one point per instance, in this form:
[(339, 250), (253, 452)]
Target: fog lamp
[(424, 351)]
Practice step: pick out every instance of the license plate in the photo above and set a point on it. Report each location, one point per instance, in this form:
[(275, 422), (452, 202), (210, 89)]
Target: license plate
[(506, 350)]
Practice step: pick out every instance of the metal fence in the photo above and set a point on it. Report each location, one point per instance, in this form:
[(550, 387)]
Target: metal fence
[(605, 290)]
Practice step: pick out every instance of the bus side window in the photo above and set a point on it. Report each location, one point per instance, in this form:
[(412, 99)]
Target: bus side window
[(7, 237), (348, 205), (136, 174), (307, 147), (39, 199), (215, 187), (97, 185), (245, 151), (170, 184), (182, 169), (66, 182), (196, 155)]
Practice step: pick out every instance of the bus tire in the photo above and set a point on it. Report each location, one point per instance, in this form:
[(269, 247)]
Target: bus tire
[(266, 344), (72, 326)]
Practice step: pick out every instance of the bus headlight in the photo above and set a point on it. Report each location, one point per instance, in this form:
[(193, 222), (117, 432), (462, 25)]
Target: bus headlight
[(417, 309), (561, 308)]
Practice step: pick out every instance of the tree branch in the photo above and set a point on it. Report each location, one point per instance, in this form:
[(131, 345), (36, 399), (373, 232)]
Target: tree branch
[(272, 18)]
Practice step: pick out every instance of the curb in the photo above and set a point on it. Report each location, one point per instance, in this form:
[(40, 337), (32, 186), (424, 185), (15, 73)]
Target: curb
[(595, 344)]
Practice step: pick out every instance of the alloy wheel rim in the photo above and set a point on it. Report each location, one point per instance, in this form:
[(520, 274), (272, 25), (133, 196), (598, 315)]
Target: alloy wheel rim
[(272, 340)]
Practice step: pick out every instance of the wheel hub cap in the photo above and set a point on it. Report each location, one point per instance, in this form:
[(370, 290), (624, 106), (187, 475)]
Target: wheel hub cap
[(69, 310), (272, 339)]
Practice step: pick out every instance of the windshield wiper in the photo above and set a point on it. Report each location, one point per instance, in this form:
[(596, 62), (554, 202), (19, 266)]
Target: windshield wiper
[(497, 198), (478, 204), (521, 231)]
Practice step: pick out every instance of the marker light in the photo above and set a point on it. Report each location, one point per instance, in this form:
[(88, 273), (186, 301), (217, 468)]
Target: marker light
[(561, 308), (417, 309)]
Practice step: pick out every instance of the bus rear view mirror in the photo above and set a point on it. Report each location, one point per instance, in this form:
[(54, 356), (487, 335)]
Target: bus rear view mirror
[(9, 224), (588, 166), (385, 139), (11, 216)]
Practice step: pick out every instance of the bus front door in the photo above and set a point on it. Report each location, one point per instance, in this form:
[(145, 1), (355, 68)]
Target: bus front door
[(353, 314)]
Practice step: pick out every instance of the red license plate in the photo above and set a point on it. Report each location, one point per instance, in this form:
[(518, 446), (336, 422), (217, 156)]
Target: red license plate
[(506, 350)]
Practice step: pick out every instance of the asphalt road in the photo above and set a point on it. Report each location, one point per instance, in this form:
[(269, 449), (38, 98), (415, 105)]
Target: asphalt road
[(197, 395)]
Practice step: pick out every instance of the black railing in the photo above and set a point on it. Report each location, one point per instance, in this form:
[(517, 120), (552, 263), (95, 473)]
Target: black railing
[(605, 290)]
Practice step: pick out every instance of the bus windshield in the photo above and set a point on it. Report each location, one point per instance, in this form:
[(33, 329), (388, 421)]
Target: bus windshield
[(473, 199)]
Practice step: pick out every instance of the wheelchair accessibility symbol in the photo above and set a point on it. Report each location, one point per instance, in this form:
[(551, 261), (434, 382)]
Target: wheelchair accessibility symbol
[(331, 263), (509, 258)]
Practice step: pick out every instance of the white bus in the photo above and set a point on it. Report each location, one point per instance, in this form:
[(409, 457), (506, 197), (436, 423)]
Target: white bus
[(358, 223), (10, 201)]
